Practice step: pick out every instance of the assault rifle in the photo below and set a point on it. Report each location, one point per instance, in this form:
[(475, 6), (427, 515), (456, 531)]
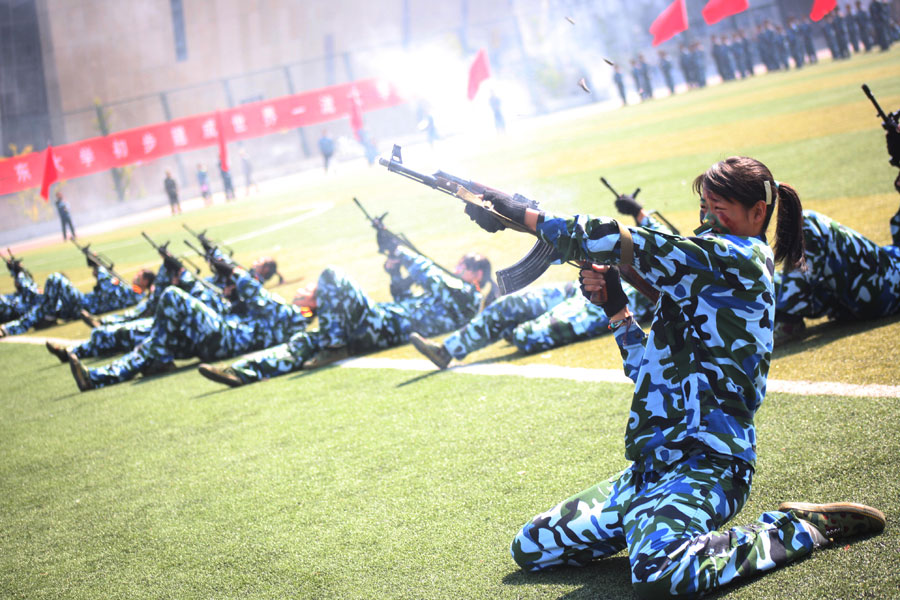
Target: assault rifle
[(889, 122), (98, 260), (14, 264), (634, 194), (207, 244), (170, 258), (399, 238), (513, 278), (541, 255)]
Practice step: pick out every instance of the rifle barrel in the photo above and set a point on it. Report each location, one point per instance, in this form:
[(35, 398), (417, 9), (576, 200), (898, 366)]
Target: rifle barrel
[(868, 92)]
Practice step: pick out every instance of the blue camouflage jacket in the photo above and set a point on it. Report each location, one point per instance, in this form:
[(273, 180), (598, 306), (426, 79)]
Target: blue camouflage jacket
[(258, 318), (109, 294), (700, 374)]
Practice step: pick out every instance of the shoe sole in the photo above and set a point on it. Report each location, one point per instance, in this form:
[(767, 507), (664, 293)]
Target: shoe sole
[(81, 379), (62, 355), (212, 375), (877, 517), (421, 345)]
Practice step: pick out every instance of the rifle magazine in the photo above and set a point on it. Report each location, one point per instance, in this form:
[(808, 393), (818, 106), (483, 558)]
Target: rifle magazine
[(527, 269)]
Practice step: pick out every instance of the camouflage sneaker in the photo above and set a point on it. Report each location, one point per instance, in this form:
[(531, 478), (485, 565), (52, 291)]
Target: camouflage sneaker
[(837, 520), (89, 319), (228, 376), (58, 350), (788, 331), (79, 372), (326, 356), (436, 353)]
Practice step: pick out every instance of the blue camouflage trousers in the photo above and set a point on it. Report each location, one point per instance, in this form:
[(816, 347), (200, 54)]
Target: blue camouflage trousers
[(668, 523), (347, 317), (509, 316), (183, 327), (113, 339), (10, 307), (62, 300), (570, 321)]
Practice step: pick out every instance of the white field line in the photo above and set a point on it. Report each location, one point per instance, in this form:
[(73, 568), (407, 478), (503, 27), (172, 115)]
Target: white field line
[(309, 213), (579, 374), (538, 371)]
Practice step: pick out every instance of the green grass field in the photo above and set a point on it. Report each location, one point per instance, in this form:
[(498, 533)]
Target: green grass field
[(360, 483)]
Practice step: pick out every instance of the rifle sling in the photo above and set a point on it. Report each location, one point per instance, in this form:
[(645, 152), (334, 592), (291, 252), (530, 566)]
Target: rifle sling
[(626, 246)]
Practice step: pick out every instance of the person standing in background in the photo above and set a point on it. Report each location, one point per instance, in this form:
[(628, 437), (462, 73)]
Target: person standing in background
[(64, 217)]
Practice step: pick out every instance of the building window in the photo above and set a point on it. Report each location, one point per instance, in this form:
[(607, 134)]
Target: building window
[(178, 28)]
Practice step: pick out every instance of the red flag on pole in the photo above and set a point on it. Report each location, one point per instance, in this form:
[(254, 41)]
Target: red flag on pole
[(478, 72), (50, 174), (223, 143), (821, 8), (669, 23), (716, 10), (356, 117)]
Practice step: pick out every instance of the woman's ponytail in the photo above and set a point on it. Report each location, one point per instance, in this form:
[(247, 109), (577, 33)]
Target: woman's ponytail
[(789, 228)]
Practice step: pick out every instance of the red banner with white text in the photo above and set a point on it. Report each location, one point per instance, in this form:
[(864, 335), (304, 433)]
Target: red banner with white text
[(145, 144)]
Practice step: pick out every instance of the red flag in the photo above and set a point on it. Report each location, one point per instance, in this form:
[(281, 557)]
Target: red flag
[(716, 10), (50, 174), (478, 72), (223, 144), (821, 8), (669, 23), (356, 117)]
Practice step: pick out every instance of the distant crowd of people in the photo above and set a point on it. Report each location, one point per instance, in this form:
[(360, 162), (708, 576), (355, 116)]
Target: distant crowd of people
[(846, 30)]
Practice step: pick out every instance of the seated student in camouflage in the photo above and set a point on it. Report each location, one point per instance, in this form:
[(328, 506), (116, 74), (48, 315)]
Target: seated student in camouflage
[(700, 375), (537, 319), (115, 338), (62, 300), (185, 327), (848, 277), (350, 323), (25, 298)]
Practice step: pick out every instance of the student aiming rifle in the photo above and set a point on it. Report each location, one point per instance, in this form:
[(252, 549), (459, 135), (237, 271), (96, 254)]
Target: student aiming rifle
[(98, 260)]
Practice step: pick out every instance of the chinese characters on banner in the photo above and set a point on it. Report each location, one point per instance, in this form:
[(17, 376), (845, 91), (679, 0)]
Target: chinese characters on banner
[(144, 144)]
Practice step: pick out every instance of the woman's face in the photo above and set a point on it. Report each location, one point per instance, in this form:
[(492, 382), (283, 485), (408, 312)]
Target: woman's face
[(728, 216)]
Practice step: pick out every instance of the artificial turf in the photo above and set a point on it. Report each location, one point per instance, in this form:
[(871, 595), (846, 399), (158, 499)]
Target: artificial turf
[(349, 483)]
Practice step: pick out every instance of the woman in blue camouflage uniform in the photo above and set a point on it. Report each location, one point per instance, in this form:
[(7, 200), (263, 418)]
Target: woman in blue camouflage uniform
[(700, 375), (350, 323), (185, 327), (62, 300)]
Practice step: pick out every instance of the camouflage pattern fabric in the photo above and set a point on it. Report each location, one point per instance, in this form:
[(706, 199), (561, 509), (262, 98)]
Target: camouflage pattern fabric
[(848, 277), (124, 335), (505, 315), (348, 317), (700, 376), (147, 305), (114, 338), (185, 327), (539, 319), (17, 304), (668, 522), (62, 300)]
